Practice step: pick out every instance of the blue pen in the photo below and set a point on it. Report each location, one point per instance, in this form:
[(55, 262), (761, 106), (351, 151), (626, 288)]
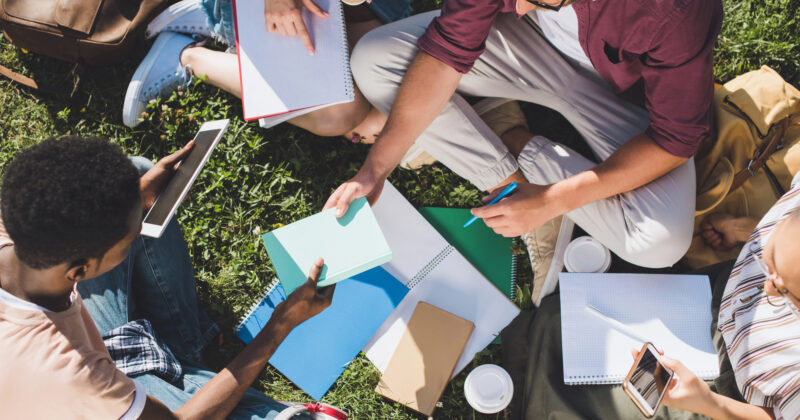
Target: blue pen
[(511, 187)]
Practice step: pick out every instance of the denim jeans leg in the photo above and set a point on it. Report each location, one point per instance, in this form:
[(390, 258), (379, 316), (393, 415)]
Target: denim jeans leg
[(165, 292), (107, 298)]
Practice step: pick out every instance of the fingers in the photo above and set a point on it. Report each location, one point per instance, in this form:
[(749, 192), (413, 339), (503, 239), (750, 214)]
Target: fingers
[(493, 194), (171, 160), (485, 212), (300, 29), (334, 198), (313, 8), (343, 203), (316, 269), (676, 366)]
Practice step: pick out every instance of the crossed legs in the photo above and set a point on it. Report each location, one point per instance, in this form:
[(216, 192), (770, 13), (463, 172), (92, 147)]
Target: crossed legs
[(650, 226)]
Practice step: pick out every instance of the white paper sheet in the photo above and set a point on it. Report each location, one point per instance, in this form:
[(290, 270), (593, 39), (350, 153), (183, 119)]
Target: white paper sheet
[(453, 285), (277, 72), (671, 311)]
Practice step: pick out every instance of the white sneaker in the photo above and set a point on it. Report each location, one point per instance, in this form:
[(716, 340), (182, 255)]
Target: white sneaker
[(186, 17), (158, 75)]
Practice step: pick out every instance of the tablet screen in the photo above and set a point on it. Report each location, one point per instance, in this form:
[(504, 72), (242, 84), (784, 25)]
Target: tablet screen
[(180, 181)]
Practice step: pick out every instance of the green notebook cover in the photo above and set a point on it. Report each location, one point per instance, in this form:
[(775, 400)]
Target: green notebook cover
[(349, 245), (489, 252)]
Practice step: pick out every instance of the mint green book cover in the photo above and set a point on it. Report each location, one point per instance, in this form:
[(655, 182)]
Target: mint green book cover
[(349, 245)]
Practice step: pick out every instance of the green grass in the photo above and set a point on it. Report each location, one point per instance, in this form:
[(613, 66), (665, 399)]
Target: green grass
[(259, 179)]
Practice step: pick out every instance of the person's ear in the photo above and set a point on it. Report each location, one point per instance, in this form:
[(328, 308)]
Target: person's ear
[(79, 270)]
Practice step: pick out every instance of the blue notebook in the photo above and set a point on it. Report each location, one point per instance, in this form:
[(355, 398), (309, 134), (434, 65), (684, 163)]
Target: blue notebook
[(316, 353), (349, 245)]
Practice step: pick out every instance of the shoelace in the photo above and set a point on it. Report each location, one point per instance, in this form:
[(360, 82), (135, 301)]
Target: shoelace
[(170, 81)]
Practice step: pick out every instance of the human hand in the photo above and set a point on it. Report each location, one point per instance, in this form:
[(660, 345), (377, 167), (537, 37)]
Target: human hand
[(306, 301), (528, 208), (686, 391), (286, 18), (361, 185), (154, 180)]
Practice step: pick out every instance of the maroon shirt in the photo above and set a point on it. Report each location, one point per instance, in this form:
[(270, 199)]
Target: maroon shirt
[(654, 53)]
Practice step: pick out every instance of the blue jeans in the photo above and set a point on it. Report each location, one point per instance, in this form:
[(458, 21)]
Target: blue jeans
[(156, 282), (221, 14)]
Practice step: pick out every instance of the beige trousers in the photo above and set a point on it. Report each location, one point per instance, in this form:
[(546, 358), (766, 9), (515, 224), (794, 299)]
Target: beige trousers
[(650, 226)]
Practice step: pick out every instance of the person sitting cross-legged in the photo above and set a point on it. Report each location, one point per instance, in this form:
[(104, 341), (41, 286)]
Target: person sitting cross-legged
[(634, 77), (73, 266)]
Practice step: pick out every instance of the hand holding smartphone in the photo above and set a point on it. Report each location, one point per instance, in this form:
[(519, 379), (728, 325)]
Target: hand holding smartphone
[(648, 380)]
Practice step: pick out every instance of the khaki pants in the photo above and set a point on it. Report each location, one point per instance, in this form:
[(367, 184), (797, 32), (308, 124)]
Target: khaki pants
[(650, 226)]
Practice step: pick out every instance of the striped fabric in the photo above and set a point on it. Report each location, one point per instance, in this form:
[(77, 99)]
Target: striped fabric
[(763, 341)]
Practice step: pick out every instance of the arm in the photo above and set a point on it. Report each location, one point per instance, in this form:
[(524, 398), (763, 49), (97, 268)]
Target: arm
[(217, 398), (688, 392), (636, 163), (411, 114)]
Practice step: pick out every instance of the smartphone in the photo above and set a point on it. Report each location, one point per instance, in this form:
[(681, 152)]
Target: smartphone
[(648, 380), (168, 201)]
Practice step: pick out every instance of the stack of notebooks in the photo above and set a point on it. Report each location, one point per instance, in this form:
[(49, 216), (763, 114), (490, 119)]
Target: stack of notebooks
[(427, 279)]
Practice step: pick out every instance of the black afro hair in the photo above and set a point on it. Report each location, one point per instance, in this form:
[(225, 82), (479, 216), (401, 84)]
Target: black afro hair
[(68, 199)]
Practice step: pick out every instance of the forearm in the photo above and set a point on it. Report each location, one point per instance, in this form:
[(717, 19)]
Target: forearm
[(426, 88), (217, 398), (721, 407), (636, 163)]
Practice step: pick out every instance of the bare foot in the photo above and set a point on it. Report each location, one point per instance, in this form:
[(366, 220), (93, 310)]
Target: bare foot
[(725, 231)]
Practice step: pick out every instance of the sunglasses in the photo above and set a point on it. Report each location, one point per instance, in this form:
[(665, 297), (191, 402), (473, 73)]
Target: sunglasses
[(548, 6)]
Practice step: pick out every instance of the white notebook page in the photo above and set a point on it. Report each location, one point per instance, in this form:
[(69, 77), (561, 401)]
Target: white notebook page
[(277, 72), (453, 285), (671, 311)]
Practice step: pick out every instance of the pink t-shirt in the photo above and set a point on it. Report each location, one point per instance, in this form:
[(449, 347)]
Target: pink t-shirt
[(54, 365)]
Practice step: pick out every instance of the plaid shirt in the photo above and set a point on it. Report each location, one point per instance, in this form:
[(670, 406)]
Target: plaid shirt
[(136, 350)]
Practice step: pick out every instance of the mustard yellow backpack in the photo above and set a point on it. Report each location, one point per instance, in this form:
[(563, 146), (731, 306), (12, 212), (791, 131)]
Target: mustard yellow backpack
[(753, 158)]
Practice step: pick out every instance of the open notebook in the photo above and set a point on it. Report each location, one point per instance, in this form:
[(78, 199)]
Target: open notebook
[(279, 78), (671, 311), (317, 351), (436, 273)]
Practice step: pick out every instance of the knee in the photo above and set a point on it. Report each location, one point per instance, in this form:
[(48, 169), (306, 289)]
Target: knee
[(336, 121), (379, 55), (141, 163), (660, 245)]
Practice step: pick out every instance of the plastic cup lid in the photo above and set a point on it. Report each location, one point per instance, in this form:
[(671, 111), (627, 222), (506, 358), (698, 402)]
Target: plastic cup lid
[(587, 255), (488, 389)]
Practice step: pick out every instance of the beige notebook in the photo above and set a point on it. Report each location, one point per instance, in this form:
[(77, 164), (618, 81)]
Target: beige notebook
[(425, 358)]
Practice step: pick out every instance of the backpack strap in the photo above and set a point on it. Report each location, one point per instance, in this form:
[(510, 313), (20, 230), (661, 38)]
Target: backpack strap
[(19, 78), (771, 144), (27, 81)]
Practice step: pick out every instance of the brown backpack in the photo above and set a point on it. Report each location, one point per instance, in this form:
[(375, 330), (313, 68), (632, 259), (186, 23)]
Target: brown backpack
[(86, 32), (750, 163)]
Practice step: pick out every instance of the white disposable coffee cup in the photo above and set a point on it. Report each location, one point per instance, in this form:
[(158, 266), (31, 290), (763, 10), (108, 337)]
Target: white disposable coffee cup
[(488, 389), (587, 255)]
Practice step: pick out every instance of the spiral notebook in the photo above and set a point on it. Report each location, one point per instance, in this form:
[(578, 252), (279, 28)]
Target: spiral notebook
[(671, 311), (489, 252), (317, 351), (279, 78), (436, 273)]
